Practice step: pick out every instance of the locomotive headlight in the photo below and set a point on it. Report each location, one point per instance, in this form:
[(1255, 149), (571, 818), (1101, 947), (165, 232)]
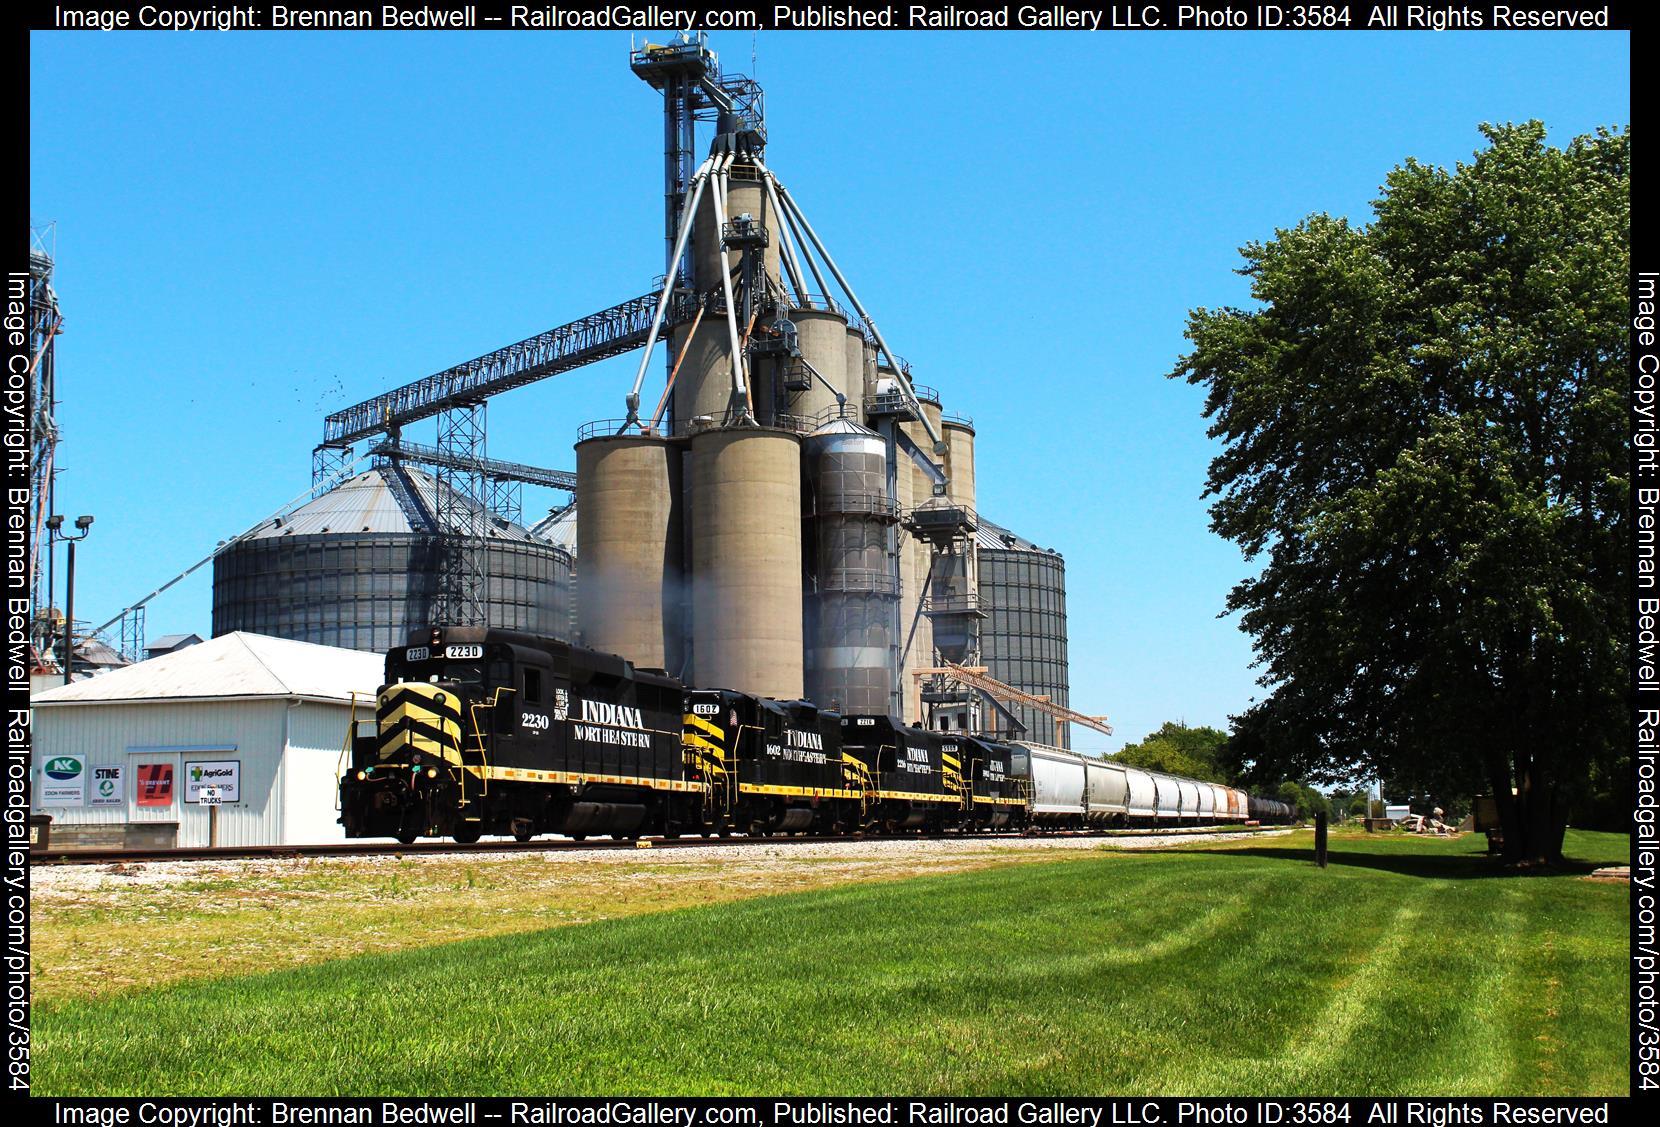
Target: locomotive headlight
[(361, 775), (432, 772)]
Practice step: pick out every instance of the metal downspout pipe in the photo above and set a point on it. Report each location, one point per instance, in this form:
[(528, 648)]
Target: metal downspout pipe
[(904, 382), (668, 289)]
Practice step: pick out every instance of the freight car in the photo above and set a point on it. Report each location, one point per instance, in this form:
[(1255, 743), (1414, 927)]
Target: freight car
[(483, 731)]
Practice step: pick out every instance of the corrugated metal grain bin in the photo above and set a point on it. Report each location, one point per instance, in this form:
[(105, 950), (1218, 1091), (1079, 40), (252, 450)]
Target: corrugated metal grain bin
[(353, 568), (1023, 640)]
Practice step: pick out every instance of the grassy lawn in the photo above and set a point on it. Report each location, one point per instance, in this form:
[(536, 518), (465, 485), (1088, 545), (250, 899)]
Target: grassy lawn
[(1231, 968), (139, 933)]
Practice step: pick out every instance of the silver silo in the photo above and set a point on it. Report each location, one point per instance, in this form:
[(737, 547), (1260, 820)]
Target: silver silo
[(850, 608), (359, 566)]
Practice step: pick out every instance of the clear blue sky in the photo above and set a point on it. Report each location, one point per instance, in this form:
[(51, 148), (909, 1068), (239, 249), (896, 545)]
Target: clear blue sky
[(256, 229)]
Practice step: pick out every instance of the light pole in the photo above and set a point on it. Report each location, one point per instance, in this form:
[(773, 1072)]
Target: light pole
[(54, 525)]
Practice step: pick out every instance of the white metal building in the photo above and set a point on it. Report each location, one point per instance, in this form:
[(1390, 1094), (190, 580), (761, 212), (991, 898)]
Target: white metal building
[(122, 759)]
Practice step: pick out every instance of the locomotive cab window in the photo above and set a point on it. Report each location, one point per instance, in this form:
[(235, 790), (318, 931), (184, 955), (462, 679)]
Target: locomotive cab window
[(533, 685)]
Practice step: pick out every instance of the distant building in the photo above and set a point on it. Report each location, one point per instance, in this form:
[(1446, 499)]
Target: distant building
[(168, 643), (120, 759)]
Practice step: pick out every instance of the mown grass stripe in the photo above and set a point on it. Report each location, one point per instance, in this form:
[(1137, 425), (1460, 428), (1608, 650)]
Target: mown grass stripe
[(1228, 970)]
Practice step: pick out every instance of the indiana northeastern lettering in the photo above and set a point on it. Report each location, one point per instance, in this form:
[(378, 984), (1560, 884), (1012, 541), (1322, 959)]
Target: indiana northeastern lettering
[(602, 722)]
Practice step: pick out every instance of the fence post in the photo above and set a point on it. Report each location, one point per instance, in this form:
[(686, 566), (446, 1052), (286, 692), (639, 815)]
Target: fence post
[(1320, 840)]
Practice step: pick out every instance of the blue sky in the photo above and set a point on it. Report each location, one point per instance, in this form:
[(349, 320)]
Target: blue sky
[(256, 229)]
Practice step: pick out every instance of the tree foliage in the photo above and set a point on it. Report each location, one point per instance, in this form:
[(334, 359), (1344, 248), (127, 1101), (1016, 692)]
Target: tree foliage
[(1177, 749), (1423, 449)]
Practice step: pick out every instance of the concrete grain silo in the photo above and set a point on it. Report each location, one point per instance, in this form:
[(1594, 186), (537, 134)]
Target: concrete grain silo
[(859, 368), (746, 567), (630, 549), (954, 611), (822, 334)]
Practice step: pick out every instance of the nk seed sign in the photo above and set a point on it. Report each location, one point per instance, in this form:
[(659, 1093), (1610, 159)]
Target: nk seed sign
[(221, 778)]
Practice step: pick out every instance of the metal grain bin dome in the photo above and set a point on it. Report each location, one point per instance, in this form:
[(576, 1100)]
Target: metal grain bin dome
[(1023, 639), (358, 566)]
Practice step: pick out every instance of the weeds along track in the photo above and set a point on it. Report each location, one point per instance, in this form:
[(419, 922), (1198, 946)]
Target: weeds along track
[(560, 845)]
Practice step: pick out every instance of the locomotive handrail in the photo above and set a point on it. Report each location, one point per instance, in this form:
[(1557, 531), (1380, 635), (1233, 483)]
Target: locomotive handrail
[(346, 747), (473, 710)]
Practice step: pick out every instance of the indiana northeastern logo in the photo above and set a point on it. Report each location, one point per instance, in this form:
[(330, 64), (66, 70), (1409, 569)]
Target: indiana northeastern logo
[(62, 768), (606, 723)]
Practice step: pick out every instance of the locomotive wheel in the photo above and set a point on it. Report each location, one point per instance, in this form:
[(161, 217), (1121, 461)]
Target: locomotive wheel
[(466, 835), (407, 837), (523, 835), (579, 837)]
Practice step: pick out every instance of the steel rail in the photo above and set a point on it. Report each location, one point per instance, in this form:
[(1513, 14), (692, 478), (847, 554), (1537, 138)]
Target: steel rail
[(443, 848)]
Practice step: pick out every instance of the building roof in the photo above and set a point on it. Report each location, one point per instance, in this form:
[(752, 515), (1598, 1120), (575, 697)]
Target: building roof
[(91, 652), (998, 538), (367, 504), (174, 641), (232, 665)]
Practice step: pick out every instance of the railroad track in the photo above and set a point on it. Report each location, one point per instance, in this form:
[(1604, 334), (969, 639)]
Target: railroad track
[(552, 845)]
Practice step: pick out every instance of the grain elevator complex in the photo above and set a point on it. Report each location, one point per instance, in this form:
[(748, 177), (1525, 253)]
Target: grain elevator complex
[(778, 508)]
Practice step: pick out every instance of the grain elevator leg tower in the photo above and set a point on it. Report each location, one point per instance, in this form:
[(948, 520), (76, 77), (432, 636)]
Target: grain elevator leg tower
[(746, 530)]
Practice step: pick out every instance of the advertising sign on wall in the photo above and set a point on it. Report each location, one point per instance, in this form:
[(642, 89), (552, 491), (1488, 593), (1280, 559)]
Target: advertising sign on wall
[(63, 781), (155, 784), (226, 774), (106, 787)]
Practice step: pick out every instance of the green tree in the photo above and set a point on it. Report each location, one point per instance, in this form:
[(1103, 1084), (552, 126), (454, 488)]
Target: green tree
[(1177, 749), (1423, 429)]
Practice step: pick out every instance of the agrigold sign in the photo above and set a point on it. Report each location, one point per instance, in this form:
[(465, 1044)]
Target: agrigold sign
[(223, 774)]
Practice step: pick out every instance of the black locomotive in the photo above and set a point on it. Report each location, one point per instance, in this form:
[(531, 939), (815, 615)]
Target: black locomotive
[(482, 731)]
